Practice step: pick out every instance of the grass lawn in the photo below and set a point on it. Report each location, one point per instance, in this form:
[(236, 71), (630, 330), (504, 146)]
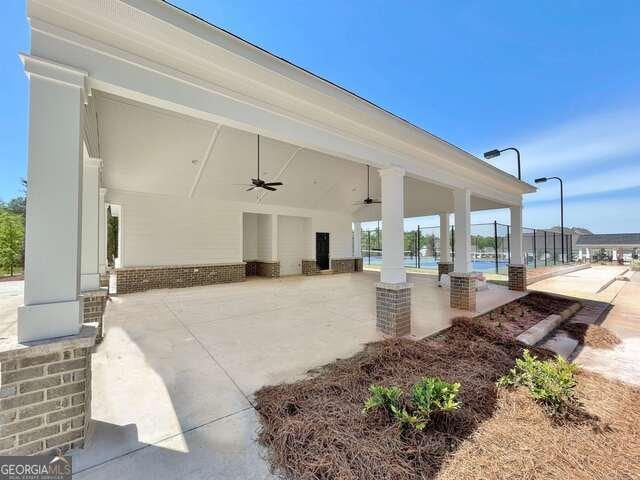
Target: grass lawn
[(315, 429)]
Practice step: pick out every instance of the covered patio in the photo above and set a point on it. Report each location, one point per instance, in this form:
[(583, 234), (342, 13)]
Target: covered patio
[(195, 356), (143, 111)]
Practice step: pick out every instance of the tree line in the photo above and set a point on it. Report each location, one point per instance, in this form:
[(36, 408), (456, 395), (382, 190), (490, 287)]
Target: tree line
[(12, 227)]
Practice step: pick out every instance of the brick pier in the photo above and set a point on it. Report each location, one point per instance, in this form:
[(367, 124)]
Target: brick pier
[(517, 277), (463, 291), (45, 394), (393, 308)]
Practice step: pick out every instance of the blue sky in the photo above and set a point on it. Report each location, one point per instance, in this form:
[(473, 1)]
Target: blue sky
[(559, 80)]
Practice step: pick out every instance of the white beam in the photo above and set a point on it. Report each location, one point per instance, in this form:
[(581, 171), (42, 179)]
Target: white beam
[(54, 204), (393, 270), (205, 160), (462, 232)]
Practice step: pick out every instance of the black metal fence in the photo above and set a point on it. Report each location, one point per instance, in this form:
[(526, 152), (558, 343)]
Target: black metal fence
[(490, 247)]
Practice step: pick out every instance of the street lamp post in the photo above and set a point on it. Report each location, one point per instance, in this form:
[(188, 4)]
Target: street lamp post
[(543, 180), (496, 153)]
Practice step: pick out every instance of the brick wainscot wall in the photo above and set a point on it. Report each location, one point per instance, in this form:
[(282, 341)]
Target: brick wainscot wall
[(346, 265), (263, 268), (139, 279), (45, 393)]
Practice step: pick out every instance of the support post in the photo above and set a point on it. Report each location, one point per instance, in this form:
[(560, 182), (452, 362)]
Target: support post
[(90, 259), (418, 247), (517, 268), (445, 265), (357, 239), (102, 232), (393, 294), (53, 248), (462, 234), (495, 244), (463, 281)]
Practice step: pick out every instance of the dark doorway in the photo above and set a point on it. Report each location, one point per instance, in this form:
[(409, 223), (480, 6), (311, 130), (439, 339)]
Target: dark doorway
[(322, 250)]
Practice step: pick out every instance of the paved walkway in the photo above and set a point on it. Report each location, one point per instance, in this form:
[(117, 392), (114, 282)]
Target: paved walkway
[(173, 382), (622, 362)]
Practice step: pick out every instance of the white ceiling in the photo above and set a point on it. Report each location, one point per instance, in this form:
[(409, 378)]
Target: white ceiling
[(145, 149)]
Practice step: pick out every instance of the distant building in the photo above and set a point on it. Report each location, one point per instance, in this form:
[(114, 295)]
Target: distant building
[(618, 245)]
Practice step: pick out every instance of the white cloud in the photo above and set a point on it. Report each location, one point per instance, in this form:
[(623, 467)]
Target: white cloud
[(608, 179), (598, 138)]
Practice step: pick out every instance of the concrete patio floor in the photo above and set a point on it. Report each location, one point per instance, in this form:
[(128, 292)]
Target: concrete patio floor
[(173, 382)]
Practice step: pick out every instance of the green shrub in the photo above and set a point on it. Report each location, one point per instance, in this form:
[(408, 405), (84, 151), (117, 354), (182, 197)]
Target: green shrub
[(551, 382), (431, 395), (388, 398), (428, 396)]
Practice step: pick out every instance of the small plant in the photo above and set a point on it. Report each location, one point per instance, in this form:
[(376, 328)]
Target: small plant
[(386, 397), (428, 396), (551, 382), (431, 395)]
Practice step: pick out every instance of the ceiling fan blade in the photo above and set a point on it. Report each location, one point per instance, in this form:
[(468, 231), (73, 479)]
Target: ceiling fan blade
[(274, 184), (267, 187), (249, 189), (376, 201)]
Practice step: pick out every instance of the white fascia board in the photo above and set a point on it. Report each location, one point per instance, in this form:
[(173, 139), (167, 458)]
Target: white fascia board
[(126, 74)]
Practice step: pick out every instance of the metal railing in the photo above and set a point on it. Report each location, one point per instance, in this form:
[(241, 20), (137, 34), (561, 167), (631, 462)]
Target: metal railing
[(490, 247)]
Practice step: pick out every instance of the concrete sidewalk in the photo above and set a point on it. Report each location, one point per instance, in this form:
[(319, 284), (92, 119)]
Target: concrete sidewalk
[(622, 362)]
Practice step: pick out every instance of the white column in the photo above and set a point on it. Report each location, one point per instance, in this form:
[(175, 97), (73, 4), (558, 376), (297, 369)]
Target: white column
[(102, 232), (445, 247), (516, 236), (274, 237), (54, 211), (392, 226), (90, 260), (357, 239), (462, 232)]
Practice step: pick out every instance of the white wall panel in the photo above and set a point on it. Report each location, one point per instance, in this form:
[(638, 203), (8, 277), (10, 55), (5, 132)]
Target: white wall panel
[(250, 236), (164, 230), (292, 244)]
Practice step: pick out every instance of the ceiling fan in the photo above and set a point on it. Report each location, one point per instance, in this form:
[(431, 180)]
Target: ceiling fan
[(368, 200), (258, 182)]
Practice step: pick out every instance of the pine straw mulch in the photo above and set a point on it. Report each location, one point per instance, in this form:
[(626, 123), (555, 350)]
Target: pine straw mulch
[(591, 335), (515, 317), (314, 428)]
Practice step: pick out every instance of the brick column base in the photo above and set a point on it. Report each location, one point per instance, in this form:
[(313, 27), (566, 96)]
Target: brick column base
[(269, 269), (463, 291), (444, 268), (310, 267), (518, 277), (359, 264), (393, 308), (104, 279), (45, 394), (94, 303)]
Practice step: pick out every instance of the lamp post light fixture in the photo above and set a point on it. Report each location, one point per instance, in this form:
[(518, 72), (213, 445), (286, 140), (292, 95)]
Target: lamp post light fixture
[(496, 153), (543, 180)]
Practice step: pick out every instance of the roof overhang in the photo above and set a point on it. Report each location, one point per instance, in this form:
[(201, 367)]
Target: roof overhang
[(153, 52)]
